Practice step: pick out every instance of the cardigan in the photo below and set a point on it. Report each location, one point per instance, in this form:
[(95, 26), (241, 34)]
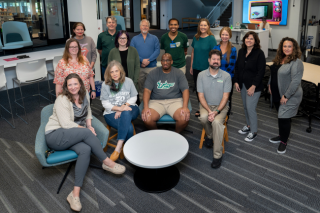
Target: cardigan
[(289, 84), (133, 63), (63, 115), (250, 70)]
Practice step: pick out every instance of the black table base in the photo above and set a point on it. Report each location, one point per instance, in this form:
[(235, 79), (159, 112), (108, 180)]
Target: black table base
[(156, 180)]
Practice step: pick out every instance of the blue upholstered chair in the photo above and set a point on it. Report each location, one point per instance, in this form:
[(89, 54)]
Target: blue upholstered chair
[(1, 44), (67, 156), (167, 119), (120, 23), (16, 33)]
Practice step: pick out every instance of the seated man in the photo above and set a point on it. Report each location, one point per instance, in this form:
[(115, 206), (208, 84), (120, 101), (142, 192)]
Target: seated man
[(167, 89), (214, 86)]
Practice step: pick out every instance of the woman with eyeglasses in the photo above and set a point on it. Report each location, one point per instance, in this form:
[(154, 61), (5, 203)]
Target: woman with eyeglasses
[(127, 55), (74, 62)]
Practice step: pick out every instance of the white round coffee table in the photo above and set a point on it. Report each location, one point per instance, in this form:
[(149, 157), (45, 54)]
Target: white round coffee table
[(155, 152)]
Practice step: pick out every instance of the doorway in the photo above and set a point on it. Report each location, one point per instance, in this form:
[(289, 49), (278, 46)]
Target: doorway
[(154, 13), (123, 8)]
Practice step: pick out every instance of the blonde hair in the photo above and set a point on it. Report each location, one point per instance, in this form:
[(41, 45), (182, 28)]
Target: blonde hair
[(107, 75), (229, 46), (198, 30)]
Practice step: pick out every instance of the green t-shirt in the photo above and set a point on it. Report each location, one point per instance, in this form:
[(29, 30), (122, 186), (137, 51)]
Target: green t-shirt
[(175, 48), (202, 48), (105, 43)]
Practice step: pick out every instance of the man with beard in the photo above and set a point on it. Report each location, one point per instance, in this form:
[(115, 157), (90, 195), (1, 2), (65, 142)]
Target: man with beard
[(214, 86), (148, 48), (166, 91), (176, 43)]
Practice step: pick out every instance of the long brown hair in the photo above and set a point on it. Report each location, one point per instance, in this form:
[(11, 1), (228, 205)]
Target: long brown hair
[(229, 46), (107, 75), (198, 30), (66, 55), (65, 91), (296, 52), (256, 40), (75, 25)]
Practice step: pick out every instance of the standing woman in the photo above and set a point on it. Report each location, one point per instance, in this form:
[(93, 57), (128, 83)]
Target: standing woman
[(285, 87), (202, 43), (73, 62), (249, 72), (229, 56), (88, 47), (118, 97), (127, 55), (69, 127)]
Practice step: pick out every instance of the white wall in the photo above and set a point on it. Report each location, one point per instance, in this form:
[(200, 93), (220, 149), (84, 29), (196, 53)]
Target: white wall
[(104, 13), (292, 29), (165, 13), (189, 8), (85, 11), (313, 9)]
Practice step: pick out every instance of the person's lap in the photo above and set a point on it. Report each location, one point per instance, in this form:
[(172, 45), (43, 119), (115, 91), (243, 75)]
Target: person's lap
[(115, 123), (163, 107)]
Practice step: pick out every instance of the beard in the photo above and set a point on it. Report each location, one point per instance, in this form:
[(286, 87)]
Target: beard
[(215, 66), (166, 68), (144, 31)]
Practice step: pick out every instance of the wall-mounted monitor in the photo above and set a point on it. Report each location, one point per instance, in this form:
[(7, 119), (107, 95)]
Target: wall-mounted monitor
[(275, 11)]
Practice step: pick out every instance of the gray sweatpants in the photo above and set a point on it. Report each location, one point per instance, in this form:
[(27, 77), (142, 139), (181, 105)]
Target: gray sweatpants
[(250, 105), (80, 140)]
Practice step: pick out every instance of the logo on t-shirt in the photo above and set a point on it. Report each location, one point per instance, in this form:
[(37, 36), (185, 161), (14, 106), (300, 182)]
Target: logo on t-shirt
[(164, 85)]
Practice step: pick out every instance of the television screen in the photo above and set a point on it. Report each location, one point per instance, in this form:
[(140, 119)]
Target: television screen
[(275, 11)]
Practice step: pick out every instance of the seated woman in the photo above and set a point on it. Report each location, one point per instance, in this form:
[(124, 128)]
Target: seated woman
[(74, 62), (118, 97), (69, 127)]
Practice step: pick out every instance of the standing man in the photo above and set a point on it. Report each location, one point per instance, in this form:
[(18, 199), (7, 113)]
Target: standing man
[(176, 43), (106, 42), (148, 48), (166, 92), (214, 107)]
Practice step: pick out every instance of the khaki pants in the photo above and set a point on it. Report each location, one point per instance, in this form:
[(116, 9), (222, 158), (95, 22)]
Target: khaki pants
[(214, 130), (183, 69), (144, 71)]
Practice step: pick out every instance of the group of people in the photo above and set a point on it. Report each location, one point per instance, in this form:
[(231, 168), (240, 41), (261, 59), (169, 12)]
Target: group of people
[(131, 76)]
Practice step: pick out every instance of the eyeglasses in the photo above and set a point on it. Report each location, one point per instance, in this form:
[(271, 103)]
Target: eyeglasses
[(123, 38), (73, 47), (166, 61)]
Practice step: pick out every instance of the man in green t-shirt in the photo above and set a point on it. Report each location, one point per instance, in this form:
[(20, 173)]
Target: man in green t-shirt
[(106, 42), (176, 43)]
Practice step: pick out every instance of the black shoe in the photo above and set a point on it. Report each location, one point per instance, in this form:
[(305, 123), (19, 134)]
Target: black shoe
[(208, 142), (275, 139), (216, 163), (244, 130), (282, 148)]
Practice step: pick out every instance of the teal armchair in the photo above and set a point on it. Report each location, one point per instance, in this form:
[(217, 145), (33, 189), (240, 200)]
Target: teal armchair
[(66, 156)]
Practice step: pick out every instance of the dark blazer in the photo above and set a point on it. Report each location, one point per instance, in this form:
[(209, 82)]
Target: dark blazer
[(250, 70)]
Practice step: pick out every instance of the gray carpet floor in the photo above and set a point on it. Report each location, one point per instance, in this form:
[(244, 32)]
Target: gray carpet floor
[(252, 178)]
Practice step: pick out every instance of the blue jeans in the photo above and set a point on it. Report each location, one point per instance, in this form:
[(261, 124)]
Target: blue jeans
[(103, 69), (124, 122)]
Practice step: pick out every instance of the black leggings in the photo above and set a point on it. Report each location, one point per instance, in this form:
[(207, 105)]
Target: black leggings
[(195, 78), (284, 125), (230, 98)]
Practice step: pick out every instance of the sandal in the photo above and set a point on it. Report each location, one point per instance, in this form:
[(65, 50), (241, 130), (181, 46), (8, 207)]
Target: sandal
[(117, 169), (197, 114)]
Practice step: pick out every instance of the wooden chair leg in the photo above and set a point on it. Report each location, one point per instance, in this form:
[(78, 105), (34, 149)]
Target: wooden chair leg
[(226, 133), (134, 130), (121, 154), (202, 138)]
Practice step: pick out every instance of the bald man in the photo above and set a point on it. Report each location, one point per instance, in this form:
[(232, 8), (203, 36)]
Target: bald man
[(166, 91)]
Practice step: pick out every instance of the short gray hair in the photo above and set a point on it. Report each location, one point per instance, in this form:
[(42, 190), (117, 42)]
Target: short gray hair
[(112, 18), (146, 21)]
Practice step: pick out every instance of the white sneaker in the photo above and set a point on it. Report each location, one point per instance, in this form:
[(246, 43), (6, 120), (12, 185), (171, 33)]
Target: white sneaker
[(250, 137), (74, 202), (244, 130)]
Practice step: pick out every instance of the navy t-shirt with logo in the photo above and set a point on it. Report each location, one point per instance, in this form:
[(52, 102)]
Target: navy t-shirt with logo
[(166, 85)]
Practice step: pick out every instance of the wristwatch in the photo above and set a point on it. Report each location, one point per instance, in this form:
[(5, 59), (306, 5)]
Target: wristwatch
[(285, 97), (218, 111), (93, 90)]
